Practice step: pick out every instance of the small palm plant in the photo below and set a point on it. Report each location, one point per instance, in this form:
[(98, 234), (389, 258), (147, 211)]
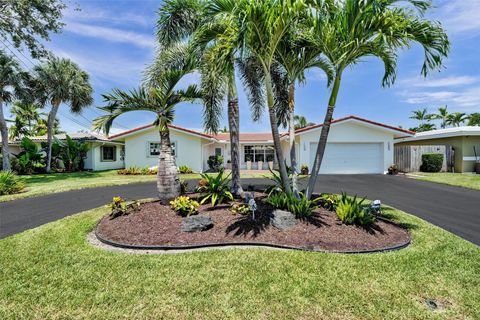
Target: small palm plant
[(216, 188)]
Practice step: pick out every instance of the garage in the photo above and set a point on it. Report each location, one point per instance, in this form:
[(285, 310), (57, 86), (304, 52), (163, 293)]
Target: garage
[(350, 158)]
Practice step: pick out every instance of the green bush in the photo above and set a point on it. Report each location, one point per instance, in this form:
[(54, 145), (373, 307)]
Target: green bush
[(184, 169), (215, 163), (240, 208), (277, 185), (328, 201), (301, 207), (184, 205), (119, 207), (351, 211), (431, 162), (216, 189), (10, 183)]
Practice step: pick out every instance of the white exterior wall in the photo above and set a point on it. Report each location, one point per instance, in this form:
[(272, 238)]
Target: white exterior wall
[(93, 160), (189, 149), (348, 132)]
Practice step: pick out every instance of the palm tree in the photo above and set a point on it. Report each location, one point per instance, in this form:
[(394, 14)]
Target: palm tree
[(348, 31), (11, 84), (424, 127), (474, 119), (26, 118), (58, 81), (456, 119), (190, 20), (301, 122), (421, 115), (161, 99), (441, 115)]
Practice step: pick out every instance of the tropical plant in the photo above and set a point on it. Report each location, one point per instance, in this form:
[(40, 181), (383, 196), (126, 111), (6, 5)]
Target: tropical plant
[(424, 127), (27, 23), (25, 121), (58, 81), (161, 98), (215, 163), (328, 201), (351, 211), (277, 185), (474, 119), (184, 169), (300, 206), (12, 79), (442, 115), (456, 119), (193, 21), (216, 190), (71, 152), (10, 183), (184, 205), (348, 31), (240, 208), (431, 162), (41, 127), (421, 115), (301, 122), (120, 207), (31, 158)]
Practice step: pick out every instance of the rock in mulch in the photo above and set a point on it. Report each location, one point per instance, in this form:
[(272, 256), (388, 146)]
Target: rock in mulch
[(196, 223), (283, 220)]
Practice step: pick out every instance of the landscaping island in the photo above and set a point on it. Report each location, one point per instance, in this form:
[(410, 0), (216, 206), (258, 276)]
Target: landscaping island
[(156, 226)]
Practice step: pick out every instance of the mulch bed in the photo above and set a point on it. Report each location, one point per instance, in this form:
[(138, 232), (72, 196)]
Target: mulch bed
[(158, 225)]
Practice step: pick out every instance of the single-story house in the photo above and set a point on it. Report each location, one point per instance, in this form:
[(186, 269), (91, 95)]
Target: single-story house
[(462, 139), (104, 153), (355, 146)]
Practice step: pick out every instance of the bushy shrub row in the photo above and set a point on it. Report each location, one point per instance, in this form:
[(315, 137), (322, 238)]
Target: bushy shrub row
[(431, 162), (137, 171), (301, 207)]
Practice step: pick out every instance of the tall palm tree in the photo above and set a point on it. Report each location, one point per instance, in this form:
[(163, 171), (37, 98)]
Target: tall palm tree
[(26, 118), (441, 115), (302, 122), (421, 115), (190, 20), (58, 81), (424, 127), (348, 31), (456, 119), (11, 84), (161, 99), (474, 119)]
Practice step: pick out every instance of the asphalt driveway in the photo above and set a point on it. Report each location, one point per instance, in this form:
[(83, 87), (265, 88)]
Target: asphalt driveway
[(452, 208)]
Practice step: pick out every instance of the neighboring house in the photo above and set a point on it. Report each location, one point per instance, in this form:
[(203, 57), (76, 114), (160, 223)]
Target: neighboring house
[(462, 139), (104, 153), (355, 146)]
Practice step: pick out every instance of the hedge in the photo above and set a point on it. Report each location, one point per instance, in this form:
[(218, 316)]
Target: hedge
[(431, 162)]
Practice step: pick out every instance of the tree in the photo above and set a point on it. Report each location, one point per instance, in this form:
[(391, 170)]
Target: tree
[(442, 115), (58, 81), (424, 127), (456, 119), (41, 127), (474, 119), (421, 115), (301, 122), (190, 20), (12, 79), (28, 22), (347, 31), (160, 98), (25, 121)]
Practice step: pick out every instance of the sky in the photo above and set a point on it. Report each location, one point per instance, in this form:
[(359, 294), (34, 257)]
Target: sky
[(114, 41)]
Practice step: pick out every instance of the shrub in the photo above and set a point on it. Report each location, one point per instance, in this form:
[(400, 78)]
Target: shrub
[(301, 207), (135, 171), (184, 205), (10, 183), (183, 187), (304, 170), (216, 190), (184, 169), (119, 207), (215, 163), (351, 211), (328, 201), (240, 208), (431, 162), (277, 185), (145, 171)]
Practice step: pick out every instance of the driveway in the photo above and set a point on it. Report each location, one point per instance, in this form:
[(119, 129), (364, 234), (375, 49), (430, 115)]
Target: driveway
[(454, 209)]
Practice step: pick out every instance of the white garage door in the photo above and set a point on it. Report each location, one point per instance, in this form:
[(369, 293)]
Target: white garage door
[(350, 158)]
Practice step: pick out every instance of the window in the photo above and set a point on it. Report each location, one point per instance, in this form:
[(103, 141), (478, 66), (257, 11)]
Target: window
[(154, 149), (218, 151), (108, 153), (258, 153)]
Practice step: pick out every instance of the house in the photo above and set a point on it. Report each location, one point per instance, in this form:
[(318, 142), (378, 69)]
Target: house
[(103, 154), (355, 146), (462, 139)]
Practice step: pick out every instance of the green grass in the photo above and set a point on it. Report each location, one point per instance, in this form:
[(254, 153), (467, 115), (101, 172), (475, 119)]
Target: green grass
[(51, 272), (471, 181), (41, 184)]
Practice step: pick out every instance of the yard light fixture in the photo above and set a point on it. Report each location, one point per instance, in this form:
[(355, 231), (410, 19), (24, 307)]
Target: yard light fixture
[(376, 206)]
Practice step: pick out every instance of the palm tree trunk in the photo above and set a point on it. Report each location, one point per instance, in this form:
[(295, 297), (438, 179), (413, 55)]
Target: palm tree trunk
[(276, 136), (234, 127), (322, 143), (50, 123), (168, 182), (291, 136), (4, 135)]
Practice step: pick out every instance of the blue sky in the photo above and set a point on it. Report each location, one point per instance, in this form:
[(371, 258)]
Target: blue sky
[(114, 40)]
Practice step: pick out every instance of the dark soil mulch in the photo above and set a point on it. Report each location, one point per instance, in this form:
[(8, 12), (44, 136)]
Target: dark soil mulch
[(156, 224)]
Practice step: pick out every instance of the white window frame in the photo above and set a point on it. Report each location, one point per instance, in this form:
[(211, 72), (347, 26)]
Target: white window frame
[(114, 154), (174, 147)]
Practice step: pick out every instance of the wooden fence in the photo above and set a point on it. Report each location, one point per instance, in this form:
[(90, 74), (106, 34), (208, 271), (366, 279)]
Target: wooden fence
[(409, 158)]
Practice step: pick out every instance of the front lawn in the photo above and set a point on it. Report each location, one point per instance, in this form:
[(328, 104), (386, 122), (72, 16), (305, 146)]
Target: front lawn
[(466, 180), (51, 272), (41, 184)]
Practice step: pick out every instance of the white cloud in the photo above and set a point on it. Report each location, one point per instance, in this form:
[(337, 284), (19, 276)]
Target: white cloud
[(451, 81), (468, 99), (459, 16), (95, 14), (111, 34)]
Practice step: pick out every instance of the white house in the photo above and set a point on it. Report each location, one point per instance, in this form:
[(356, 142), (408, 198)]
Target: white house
[(355, 146)]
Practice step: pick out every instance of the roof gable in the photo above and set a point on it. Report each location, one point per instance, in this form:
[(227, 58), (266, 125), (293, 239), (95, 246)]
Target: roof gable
[(150, 126)]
